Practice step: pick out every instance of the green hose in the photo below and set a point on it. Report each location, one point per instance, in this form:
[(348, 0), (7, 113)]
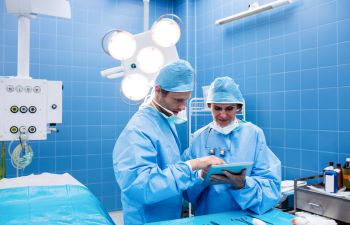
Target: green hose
[(3, 161)]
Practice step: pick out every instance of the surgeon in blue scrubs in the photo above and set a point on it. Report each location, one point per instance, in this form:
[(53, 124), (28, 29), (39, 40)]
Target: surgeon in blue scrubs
[(233, 140), (147, 155)]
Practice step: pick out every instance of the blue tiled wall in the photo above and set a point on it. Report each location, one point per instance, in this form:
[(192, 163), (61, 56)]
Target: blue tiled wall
[(293, 67), (186, 48), (94, 112)]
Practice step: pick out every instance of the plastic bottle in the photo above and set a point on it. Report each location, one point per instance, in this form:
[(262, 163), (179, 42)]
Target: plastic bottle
[(329, 167), (331, 181), (340, 175), (346, 174)]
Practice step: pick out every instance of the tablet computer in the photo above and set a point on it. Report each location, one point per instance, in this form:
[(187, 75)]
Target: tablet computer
[(236, 167)]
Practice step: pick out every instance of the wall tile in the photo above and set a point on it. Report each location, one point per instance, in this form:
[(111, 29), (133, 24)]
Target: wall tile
[(292, 67)]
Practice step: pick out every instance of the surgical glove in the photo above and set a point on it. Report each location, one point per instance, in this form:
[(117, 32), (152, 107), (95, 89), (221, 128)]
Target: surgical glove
[(205, 162), (204, 172), (236, 180)]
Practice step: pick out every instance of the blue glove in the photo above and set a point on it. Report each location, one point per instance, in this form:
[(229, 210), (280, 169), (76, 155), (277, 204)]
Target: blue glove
[(236, 180)]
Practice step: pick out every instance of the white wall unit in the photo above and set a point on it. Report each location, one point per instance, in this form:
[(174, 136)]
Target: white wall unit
[(28, 104)]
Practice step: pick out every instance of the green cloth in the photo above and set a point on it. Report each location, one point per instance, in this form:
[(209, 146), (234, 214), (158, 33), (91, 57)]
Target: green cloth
[(3, 161)]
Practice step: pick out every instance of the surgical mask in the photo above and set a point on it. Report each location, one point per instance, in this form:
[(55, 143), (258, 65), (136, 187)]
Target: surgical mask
[(180, 118), (227, 129)]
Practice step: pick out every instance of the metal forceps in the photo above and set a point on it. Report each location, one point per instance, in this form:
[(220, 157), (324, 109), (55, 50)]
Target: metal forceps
[(242, 220)]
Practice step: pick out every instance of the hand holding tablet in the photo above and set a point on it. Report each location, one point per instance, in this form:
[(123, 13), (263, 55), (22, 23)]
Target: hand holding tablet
[(232, 173)]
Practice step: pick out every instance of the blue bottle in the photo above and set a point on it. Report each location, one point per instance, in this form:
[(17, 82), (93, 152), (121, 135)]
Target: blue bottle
[(331, 181)]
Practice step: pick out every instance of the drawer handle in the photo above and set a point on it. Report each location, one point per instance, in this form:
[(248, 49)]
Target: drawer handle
[(313, 204)]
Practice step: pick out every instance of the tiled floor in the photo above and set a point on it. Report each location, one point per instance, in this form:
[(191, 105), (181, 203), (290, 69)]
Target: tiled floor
[(117, 217)]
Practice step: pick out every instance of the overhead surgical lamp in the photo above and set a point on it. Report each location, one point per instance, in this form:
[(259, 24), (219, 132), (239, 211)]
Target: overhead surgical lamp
[(142, 55), (150, 60), (135, 86), (121, 44), (166, 30)]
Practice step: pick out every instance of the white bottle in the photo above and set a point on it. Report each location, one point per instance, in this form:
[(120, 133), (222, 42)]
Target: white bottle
[(329, 167)]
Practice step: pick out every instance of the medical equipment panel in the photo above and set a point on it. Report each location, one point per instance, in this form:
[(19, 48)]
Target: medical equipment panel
[(27, 106), (54, 102)]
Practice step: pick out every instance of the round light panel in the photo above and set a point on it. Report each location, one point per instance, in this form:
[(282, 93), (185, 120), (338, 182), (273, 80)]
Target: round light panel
[(135, 86), (166, 32), (150, 59), (121, 45)]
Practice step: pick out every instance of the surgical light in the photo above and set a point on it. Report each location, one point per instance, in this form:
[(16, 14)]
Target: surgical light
[(150, 59), (135, 86), (121, 45), (143, 54), (166, 31)]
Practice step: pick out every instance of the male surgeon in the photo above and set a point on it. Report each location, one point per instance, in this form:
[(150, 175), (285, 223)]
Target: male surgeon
[(146, 156)]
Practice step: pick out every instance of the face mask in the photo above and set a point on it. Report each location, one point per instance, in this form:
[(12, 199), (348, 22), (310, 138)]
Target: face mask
[(227, 129), (180, 118)]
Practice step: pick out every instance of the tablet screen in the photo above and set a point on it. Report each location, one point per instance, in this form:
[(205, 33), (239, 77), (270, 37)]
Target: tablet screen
[(232, 167)]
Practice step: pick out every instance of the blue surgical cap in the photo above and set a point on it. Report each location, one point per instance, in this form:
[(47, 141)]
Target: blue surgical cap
[(176, 77), (224, 90)]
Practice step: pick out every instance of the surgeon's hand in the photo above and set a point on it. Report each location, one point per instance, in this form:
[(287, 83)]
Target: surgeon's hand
[(205, 162), (204, 172), (236, 180)]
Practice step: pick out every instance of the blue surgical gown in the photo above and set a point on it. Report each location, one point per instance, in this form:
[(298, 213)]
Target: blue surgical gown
[(247, 143), (148, 168)]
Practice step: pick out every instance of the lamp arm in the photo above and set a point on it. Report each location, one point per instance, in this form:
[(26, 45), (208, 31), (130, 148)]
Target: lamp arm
[(114, 72)]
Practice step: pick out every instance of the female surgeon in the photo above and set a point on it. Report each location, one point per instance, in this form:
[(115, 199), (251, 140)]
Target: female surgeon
[(233, 140)]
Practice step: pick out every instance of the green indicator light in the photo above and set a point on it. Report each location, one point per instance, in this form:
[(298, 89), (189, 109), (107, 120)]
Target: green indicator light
[(133, 65)]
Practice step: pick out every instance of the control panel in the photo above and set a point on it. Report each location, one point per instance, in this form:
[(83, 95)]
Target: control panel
[(28, 106)]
